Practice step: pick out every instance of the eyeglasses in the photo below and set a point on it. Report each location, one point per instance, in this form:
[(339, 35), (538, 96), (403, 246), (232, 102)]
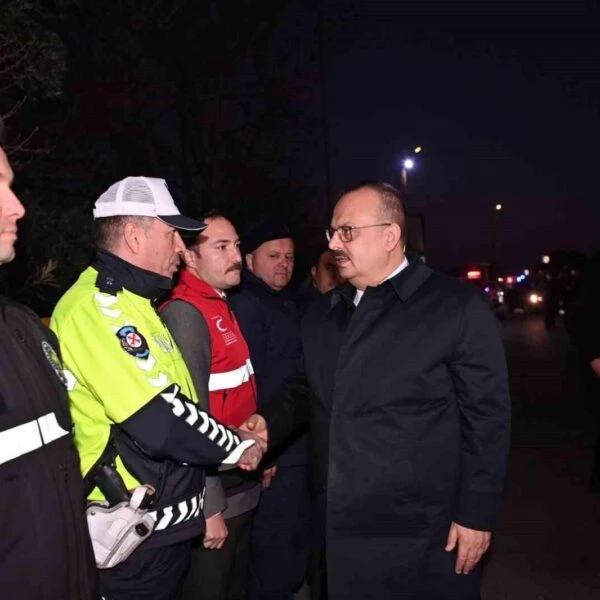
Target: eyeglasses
[(346, 231)]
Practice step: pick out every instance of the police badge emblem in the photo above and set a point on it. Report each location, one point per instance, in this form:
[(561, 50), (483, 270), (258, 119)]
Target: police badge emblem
[(133, 342), (54, 362)]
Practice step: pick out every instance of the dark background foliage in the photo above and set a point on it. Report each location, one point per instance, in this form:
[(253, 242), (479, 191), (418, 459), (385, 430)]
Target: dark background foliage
[(214, 96)]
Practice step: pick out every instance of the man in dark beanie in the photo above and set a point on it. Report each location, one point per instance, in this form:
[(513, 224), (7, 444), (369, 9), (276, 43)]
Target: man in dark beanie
[(270, 323)]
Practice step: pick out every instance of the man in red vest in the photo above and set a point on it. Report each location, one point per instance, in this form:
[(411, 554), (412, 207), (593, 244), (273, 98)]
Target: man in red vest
[(216, 353)]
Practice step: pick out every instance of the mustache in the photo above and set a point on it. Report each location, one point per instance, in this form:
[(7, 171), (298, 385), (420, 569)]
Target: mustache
[(339, 254), (235, 267)]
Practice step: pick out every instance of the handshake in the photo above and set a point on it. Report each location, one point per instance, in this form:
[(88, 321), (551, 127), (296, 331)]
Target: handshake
[(253, 429)]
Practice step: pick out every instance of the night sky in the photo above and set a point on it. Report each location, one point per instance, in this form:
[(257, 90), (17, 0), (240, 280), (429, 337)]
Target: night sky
[(503, 96)]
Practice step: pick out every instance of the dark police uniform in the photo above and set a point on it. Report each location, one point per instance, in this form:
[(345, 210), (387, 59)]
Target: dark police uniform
[(45, 551)]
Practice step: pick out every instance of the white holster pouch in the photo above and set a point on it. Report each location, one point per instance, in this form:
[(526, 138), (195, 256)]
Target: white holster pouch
[(116, 531)]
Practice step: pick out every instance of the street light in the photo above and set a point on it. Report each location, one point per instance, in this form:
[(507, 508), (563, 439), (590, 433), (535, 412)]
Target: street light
[(495, 234), (546, 259), (407, 165)]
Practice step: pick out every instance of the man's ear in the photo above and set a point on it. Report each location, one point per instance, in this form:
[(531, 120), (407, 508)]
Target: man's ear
[(393, 236), (132, 234), (189, 258), (250, 262), (313, 272)]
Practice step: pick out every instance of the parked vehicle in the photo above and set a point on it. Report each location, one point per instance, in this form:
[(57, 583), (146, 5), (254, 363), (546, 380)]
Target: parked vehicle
[(524, 297), (496, 296)]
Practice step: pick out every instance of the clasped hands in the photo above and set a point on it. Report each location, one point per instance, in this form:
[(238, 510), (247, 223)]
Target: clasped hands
[(254, 428)]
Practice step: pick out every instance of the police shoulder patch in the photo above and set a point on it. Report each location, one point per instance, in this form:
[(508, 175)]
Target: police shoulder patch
[(133, 342), (54, 362)]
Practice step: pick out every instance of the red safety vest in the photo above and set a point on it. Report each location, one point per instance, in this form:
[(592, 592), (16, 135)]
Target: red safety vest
[(232, 387)]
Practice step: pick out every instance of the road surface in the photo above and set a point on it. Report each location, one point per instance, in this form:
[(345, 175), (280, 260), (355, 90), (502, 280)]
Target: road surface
[(548, 544)]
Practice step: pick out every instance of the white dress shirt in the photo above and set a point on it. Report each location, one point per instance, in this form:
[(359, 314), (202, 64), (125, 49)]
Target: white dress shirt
[(359, 293)]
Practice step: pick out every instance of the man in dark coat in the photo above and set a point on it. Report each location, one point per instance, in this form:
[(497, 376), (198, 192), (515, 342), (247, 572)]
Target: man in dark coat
[(583, 325), (45, 549), (411, 414), (322, 278), (270, 322)]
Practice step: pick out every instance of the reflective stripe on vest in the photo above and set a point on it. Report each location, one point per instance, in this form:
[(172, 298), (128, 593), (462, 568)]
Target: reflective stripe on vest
[(26, 438), (230, 379)]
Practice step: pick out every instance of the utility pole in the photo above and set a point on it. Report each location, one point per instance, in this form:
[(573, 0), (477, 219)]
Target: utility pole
[(495, 241), (324, 75)]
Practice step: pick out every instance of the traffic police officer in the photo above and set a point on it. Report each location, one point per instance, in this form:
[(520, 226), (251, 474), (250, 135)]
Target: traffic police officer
[(132, 398)]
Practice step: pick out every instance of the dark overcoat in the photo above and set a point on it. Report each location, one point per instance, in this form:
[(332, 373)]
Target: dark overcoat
[(270, 322), (412, 412)]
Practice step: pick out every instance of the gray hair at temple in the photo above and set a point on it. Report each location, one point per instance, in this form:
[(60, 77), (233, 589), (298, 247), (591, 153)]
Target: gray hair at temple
[(391, 203), (107, 232)]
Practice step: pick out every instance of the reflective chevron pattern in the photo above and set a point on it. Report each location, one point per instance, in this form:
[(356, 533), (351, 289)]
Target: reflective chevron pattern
[(195, 417), (180, 512), (108, 305)]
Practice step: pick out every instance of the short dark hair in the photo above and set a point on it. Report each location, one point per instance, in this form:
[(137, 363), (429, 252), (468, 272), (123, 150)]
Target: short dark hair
[(392, 207), (190, 239), (211, 213), (315, 256), (2, 132), (108, 230)]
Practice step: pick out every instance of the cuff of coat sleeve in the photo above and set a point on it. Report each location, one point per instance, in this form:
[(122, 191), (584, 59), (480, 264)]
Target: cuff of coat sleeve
[(277, 426), (478, 511), (237, 452), (214, 497)]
